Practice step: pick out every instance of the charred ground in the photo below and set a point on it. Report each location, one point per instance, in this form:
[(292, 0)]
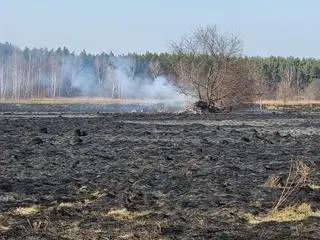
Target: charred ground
[(71, 175)]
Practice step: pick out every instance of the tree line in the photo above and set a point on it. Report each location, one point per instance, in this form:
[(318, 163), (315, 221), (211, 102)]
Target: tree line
[(300, 74), (35, 73)]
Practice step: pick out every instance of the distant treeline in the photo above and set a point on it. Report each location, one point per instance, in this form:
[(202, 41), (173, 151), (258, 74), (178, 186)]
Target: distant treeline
[(34, 73), (298, 73)]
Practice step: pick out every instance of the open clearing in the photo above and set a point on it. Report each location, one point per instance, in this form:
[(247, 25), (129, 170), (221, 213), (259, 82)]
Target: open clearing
[(70, 175)]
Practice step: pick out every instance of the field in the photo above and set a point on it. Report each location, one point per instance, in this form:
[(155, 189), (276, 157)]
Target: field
[(75, 172)]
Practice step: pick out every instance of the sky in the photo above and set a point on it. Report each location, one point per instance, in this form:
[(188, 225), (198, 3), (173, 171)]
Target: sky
[(266, 27)]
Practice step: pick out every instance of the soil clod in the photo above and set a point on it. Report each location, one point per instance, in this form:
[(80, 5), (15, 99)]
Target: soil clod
[(37, 140), (80, 133), (76, 140), (43, 130)]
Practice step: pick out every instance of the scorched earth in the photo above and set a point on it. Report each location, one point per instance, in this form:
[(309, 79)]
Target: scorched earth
[(74, 175)]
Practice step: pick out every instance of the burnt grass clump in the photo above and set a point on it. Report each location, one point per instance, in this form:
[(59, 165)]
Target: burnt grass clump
[(207, 107), (152, 176), (204, 107)]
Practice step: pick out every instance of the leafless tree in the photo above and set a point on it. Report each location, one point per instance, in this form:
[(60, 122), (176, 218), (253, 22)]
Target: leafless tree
[(28, 74), (54, 75), (2, 82), (105, 72), (285, 89), (211, 68), (260, 86), (154, 68), (111, 83), (313, 90), (99, 69), (128, 66)]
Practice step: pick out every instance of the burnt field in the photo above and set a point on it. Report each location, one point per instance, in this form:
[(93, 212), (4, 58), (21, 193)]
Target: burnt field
[(68, 174)]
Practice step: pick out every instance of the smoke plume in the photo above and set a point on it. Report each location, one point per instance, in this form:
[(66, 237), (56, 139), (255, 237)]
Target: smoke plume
[(124, 78), (42, 73)]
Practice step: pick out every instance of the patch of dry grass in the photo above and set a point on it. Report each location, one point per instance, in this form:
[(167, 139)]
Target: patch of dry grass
[(69, 229), (314, 186), (284, 209), (123, 213), (301, 102), (38, 225), (68, 204), (273, 181), (4, 228), (27, 211), (39, 219), (77, 204), (288, 214), (98, 193), (5, 222), (298, 177), (137, 224), (90, 193)]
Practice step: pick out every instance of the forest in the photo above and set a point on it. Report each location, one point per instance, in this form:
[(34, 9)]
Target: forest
[(38, 73)]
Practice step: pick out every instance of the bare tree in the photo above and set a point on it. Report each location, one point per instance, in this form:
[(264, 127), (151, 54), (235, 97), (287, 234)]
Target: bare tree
[(285, 89), (54, 75), (99, 63), (111, 82), (260, 86), (313, 90), (211, 68), (128, 66), (2, 88), (154, 68), (28, 73)]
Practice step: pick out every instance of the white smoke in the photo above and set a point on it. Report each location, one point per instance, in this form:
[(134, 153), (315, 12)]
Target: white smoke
[(85, 81), (124, 81), (160, 89)]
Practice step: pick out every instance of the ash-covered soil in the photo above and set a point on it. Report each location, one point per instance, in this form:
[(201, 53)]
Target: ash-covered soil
[(151, 176)]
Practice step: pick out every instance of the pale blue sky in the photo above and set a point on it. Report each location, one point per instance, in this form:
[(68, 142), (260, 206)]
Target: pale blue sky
[(267, 27)]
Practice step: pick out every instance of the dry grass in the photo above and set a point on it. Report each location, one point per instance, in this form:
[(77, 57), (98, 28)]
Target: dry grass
[(27, 211), (68, 205), (123, 213), (79, 100), (288, 214), (314, 186), (98, 194), (297, 178), (273, 181), (3, 228), (69, 229), (37, 225), (284, 210), (95, 193), (38, 219), (277, 103)]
